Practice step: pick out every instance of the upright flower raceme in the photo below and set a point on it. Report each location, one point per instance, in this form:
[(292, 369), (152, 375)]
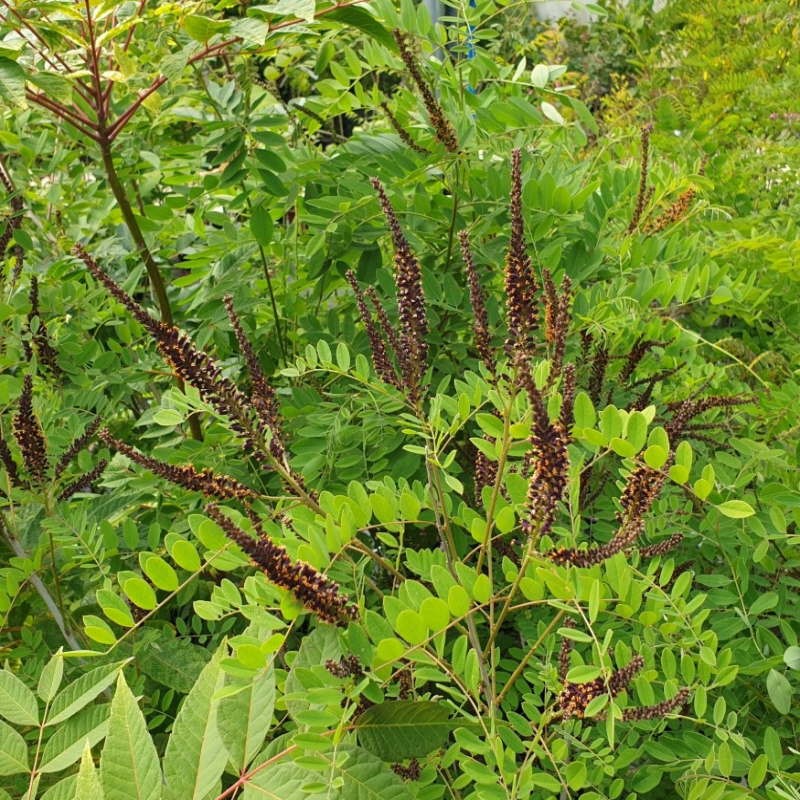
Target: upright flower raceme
[(314, 590), (442, 127), (520, 284), (413, 353)]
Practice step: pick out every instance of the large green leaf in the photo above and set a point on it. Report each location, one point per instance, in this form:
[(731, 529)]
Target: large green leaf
[(245, 717), (319, 646), (12, 82), (361, 19), (129, 768), (172, 662), (82, 691), (66, 744), (17, 701), (195, 756), (351, 774), (13, 751), (88, 787), (399, 729), (51, 676)]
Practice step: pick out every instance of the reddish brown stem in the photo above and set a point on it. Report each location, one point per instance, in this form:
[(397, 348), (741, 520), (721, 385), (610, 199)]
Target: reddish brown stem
[(65, 114)]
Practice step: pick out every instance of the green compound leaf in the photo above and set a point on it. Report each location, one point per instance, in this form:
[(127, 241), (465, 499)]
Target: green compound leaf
[(82, 691), (129, 768), (245, 718), (780, 691), (13, 751), (17, 701), (736, 509), (51, 676), (88, 786), (399, 729), (195, 756)]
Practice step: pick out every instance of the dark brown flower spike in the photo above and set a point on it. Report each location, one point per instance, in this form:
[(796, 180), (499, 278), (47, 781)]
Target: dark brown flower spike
[(567, 415), (38, 331), (10, 465), (380, 358), (641, 196), (314, 590), (12, 222), (413, 352), (676, 212), (565, 649), (549, 463), (598, 374), (520, 284), (401, 131), (191, 365), (77, 445), (85, 482), (659, 710), (640, 349), (661, 548), (442, 128), (262, 395), (205, 481), (408, 772), (387, 329), (477, 298), (575, 697), (30, 436), (345, 667)]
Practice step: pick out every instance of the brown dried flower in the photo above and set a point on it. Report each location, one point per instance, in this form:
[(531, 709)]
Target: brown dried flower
[(8, 462), (408, 772), (641, 196), (598, 373), (45, 352), (520, 284), (314, 590), (575, 697), (676, 212), (262, 396), (549, 462), (84, 482), (204, 481), (565, 650), (659, 710), (404, 135), (345, 667), (480, 317), (77, 445), (661, 548), (443, 129), (413, 353)]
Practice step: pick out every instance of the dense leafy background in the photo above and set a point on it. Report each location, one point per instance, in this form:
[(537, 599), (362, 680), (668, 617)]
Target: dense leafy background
[(140, 645)]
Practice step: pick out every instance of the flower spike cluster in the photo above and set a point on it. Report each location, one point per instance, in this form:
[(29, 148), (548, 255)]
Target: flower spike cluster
[(442, 127), (557, 318), (77, 445), (254, 419), (659, 710), (314, 590)]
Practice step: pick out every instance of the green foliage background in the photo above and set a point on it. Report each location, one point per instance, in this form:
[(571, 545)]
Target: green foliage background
[(142, 648)]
